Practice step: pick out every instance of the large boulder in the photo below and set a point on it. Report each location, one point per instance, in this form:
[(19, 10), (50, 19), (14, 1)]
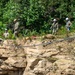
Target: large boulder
[(49, 36)]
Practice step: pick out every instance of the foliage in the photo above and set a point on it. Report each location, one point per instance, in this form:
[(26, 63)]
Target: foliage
[(11, 36), (10, 11), (36, 15), (2, 29)]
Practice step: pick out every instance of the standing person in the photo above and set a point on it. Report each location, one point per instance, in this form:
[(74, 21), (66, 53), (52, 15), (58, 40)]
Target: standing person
[(16, 27), (54, 26), (68, 24), (6, 34)]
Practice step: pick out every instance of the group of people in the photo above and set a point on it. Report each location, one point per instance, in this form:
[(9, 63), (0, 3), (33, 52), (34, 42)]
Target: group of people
[(15, 28), (55, 26)]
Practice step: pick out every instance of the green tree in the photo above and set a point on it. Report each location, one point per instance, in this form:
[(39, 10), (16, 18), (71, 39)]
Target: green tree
[(36, 15)]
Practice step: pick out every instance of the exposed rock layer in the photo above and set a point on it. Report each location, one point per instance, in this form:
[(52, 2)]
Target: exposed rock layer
[(26, 57)]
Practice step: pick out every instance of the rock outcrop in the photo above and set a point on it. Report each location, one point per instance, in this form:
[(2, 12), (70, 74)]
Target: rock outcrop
[(34, 57), (53, 59), (12, 59)]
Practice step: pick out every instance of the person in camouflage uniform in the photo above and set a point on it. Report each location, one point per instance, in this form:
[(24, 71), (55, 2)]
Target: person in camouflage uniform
[(16, 27), (54, 26)]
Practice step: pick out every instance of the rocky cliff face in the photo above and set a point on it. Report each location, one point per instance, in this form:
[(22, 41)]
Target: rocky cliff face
[(57, 58), (52, 59), (12, 58)]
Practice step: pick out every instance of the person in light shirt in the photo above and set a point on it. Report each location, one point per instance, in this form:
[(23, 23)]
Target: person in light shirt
[(6, 34), (68, 24)]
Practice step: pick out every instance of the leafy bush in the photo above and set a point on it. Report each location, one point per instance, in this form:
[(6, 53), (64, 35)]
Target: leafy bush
[(2, 29), (11, 35), (36, 14)]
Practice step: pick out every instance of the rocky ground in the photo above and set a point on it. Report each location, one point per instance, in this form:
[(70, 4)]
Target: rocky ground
[(37, 57)]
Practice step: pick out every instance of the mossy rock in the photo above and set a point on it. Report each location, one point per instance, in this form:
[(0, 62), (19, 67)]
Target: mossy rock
[(51, 59)]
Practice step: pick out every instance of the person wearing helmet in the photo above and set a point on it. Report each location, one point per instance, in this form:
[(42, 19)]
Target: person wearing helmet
[(54, 26), (68, 24)]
